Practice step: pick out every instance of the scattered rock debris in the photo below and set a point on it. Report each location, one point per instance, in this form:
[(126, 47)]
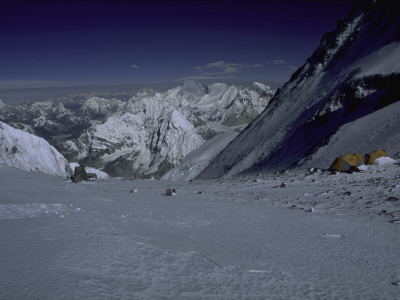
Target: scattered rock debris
[(170, 192)]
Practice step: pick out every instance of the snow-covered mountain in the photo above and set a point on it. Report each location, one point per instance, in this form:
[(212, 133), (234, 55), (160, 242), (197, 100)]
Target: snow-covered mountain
[(27, 152), (146, 135), (228, 105), (354, 72), (379, 130), (137, 143)]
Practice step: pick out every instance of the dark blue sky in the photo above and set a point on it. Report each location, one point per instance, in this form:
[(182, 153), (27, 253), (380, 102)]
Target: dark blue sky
[(61, 43)]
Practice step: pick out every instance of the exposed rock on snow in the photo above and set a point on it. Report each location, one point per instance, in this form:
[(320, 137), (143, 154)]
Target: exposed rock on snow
[(27, 152), (353, 73), (99, 174), (80, 174)]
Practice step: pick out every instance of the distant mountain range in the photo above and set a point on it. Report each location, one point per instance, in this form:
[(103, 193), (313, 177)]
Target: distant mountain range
[(142, 136)]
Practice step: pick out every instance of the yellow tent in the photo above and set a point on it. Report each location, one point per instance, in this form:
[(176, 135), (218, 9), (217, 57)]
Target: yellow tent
[(347, 162), (370, 157)]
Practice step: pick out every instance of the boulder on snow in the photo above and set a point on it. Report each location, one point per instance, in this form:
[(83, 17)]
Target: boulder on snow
[(80, 174), (392, 199), (170, 192), (311, 171), (395, 213)]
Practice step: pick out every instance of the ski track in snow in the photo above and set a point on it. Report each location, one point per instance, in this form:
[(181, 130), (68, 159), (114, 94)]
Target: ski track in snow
[(316, 236)]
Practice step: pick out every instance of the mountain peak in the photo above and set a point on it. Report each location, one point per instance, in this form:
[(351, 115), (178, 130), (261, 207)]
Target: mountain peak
[(355, 70), (196, 89)]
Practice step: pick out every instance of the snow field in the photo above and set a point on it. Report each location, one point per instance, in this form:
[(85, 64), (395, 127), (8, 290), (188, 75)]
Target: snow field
[(245, 238)]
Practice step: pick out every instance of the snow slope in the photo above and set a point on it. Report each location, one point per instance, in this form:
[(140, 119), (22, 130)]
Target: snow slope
[(27, 152), (198, 159), (320, 236), (380, 130), (353, 73)]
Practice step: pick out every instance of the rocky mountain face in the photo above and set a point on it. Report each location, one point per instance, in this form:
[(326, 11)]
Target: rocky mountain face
[(144, 136), (27, 152), (354, 72), (144, 140)]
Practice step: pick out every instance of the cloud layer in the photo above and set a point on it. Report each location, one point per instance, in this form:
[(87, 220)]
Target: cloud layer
[(229, 70), (219, 70), (222, 67)]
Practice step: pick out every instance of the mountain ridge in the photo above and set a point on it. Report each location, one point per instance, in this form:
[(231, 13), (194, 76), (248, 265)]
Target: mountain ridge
[(142, 136), (348, 72)]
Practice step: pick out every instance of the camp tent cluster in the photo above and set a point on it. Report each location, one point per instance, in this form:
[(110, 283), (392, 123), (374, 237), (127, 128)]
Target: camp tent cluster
[(351, 162)]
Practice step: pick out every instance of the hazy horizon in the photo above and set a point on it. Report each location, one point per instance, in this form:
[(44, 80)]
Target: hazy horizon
[(33, 94)]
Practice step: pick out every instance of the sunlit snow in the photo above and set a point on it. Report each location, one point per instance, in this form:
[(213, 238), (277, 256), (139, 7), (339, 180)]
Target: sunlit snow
[(31, 153)]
